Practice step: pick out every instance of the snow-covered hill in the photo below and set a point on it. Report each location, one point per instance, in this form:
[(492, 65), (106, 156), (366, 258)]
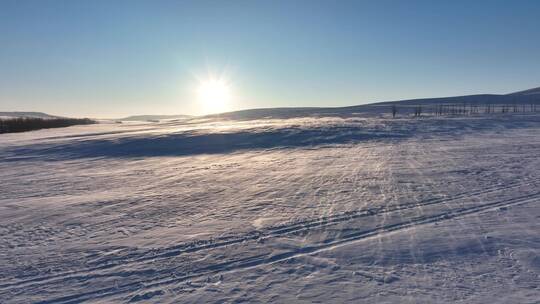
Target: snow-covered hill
[(481, 101), (534, 91), (526, 97), (309, 209)]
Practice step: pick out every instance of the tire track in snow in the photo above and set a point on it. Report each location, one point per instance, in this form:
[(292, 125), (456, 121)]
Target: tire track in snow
[(271, 232), (260, 260)]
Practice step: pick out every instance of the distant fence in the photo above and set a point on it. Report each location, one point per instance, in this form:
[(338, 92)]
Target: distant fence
[(462, 109), (465, 109), (22, 124)]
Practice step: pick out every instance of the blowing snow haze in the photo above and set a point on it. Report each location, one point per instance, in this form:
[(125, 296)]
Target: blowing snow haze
[(269, 152)]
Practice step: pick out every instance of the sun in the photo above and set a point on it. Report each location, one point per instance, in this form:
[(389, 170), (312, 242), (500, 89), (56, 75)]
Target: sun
[(214, 95)]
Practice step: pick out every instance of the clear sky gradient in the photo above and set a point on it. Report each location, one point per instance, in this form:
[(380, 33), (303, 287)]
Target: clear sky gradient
[(117, 58)]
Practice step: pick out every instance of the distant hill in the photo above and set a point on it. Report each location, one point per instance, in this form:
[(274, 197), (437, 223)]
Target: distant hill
[(526, 97), (27, 114), (153, 117), (522, 98), (535, 91)]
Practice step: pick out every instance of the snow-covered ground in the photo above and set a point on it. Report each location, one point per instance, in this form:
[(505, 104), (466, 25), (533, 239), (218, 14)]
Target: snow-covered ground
[(372, 210)]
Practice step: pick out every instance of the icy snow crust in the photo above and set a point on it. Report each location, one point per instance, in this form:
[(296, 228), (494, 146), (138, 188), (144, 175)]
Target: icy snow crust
[(372, 210)]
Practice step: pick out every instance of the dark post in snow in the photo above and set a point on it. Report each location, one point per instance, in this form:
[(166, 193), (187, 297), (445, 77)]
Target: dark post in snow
[(417, 111)]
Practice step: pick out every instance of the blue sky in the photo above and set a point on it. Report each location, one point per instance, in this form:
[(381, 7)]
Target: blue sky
[(115, 58)]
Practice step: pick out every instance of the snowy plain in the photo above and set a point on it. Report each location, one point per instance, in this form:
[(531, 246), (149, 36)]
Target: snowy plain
[(297, 210)]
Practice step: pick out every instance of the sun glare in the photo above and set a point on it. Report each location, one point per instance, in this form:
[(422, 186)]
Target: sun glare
[(214, 95)]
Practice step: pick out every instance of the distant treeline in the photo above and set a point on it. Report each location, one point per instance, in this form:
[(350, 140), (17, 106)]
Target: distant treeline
[(22, 124), (463, 109)]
